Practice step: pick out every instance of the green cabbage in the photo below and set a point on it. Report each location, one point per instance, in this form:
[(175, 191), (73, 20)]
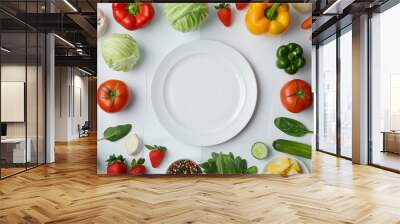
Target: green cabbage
[(186, 17), (120, 51)]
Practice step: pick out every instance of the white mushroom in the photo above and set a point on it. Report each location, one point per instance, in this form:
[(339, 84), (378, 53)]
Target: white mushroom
[(303, 7), (102, 23), (132, 144)]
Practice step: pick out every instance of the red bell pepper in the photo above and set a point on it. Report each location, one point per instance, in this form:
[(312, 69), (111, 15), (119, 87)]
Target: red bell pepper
[(133, 15)]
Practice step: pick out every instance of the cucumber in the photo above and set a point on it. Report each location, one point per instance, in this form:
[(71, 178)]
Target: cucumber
[(259, 150), (293, 148)]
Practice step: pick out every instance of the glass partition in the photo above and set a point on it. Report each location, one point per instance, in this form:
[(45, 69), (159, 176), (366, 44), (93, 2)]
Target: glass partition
[(22, 77), (31, 98), (14, 155)]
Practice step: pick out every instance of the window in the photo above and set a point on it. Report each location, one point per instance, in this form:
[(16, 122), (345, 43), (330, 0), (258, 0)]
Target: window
[(385, 89), (327, 96), (394, 116), (346, 93)]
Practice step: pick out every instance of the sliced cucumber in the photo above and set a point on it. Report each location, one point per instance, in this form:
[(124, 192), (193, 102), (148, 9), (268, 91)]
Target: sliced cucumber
[(259, 150)]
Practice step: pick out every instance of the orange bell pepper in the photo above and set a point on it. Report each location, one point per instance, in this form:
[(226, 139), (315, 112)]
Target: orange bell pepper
[(272, 18)]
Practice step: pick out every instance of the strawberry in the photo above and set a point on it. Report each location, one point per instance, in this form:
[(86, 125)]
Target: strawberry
[(116, 165), (241, 6), (137, 167), (224, 14), (157, 154)]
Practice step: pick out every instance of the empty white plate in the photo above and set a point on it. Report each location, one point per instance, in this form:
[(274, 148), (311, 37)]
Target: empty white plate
[(204, 92)]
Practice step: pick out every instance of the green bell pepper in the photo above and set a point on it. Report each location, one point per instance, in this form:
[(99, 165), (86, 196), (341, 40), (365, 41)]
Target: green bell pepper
[(290, 58)]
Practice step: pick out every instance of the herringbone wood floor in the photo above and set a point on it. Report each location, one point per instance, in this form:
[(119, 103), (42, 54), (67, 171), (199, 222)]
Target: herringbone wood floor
[(69, 191)]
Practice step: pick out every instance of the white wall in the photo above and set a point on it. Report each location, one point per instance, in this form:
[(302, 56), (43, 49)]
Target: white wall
[(70, 83), (61, 103)]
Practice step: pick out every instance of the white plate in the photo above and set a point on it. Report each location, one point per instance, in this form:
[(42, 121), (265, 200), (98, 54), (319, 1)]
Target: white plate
[(204, 92)]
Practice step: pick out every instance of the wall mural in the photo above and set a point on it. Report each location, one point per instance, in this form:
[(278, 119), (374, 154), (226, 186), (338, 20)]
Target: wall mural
[(197, 88)]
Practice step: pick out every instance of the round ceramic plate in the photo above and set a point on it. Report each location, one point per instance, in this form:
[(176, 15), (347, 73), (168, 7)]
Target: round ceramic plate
[(204, 92)]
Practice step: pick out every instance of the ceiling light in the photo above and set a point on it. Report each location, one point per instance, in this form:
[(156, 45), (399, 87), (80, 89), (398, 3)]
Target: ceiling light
[(64, 40), (70, 5), (84, 71), (5, 50), (331, 8)]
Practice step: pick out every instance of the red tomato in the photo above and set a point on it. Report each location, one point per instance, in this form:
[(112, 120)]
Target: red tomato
[(296, 95), (113, 96)]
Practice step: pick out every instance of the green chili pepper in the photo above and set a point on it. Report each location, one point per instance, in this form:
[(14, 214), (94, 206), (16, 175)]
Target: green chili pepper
[(290, 58)]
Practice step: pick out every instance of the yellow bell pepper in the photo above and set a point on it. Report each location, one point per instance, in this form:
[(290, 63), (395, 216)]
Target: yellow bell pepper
[(272, 18)]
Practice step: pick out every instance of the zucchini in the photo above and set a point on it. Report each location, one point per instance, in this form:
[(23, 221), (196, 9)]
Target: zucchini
[(293, 148)]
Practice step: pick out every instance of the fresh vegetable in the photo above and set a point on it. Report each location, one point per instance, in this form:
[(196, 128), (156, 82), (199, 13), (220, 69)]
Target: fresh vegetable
[(115, 133), (296, 95), (241, 6), (290, 58), (186, 17), (184, 166), (120, 52), (133, 16), (252, 170), (102, 23), (293, 148), (157, 154), (307, 24), (272, 18), (137, 167), (132, 144), (224, 14), (221, 163), (291, 126), (259, 150), (116, 165), (283, 166), (113, 96), (302, 7)]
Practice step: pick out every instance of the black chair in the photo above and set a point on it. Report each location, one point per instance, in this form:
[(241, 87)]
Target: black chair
[(84, 130)]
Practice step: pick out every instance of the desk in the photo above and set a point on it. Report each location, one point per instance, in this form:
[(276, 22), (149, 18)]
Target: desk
[(18, 150), (391, 141)]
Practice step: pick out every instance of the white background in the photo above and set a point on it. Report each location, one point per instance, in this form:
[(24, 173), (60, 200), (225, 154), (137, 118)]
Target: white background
[(156, 40)]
